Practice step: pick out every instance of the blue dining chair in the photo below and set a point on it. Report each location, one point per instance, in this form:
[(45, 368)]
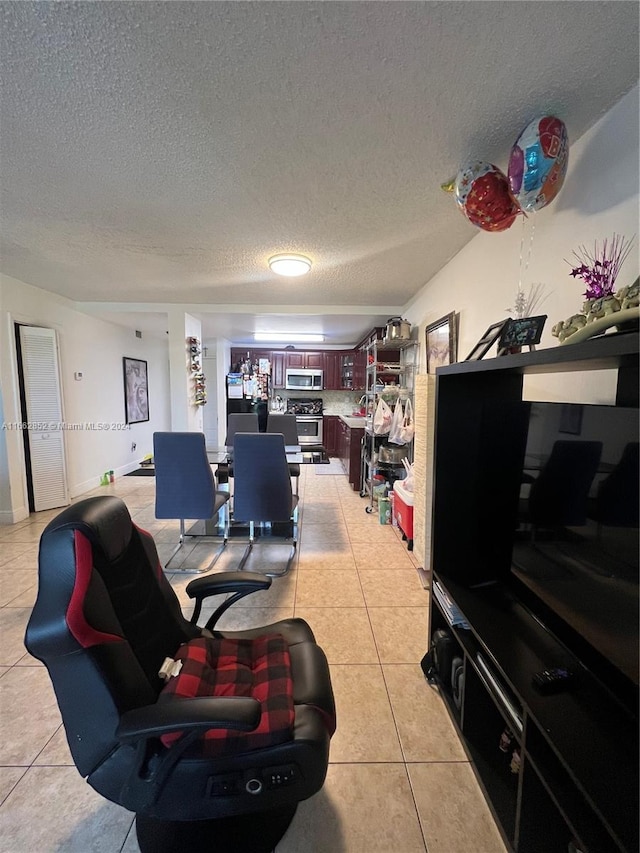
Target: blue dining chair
[(262, 487), (236, 422), (185, 486), (286, 424)]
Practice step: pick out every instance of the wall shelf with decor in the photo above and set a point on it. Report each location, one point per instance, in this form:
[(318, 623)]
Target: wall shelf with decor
[(198, 388), (390, 376)]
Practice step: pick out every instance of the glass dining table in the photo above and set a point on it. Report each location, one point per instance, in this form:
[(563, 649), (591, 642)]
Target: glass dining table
[(295, 453), (223, 456)]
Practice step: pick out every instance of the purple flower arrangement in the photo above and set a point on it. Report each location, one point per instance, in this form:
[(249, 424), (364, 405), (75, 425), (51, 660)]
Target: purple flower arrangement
[(599, 269)]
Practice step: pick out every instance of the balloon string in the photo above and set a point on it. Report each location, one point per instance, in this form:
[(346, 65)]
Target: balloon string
[(521, 256), (533, 231), (525, 267)]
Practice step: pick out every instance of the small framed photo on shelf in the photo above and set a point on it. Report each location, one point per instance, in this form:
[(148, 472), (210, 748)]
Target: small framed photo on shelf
[(519, 332), (486, 341), (136, 391), (442, 342)]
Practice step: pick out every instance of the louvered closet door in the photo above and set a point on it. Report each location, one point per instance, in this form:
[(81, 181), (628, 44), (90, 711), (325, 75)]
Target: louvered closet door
[(44, 416)]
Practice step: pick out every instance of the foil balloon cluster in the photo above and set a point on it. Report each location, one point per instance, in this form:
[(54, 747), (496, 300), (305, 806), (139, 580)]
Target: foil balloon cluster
[(492, 200), (482, 194), (538, 163)]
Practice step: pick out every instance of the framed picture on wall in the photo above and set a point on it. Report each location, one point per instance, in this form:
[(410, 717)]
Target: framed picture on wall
[(486, 341), (442, 342), (136, 390)]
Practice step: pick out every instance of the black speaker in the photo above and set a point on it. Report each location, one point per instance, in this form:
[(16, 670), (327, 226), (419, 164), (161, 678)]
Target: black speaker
[(457, 681), (444, 648)]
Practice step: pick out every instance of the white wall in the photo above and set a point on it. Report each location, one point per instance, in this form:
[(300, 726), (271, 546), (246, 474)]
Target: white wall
[(599, 198), (95, 348)]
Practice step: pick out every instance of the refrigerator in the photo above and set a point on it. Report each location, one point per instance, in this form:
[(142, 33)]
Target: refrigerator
[(249, 391)]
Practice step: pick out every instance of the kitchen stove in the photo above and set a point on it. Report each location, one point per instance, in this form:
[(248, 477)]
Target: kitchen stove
[(304, 406), (308, 412)]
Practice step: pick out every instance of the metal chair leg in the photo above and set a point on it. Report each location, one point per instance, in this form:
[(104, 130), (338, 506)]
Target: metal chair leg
[(294, 545), (193, 571)]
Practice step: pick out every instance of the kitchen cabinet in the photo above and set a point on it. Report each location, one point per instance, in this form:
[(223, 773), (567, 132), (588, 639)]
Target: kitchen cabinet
[(346, 370), (254, 355), (278, 361), (332, 378), (330, 434), (237, 357), (349, 452), (299, 358), (359, 370)]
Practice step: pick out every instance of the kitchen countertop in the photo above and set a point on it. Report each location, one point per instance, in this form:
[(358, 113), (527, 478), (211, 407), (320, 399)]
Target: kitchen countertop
[(353, 422)]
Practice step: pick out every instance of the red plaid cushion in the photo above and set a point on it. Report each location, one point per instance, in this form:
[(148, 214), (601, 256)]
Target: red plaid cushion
[(260, 669)]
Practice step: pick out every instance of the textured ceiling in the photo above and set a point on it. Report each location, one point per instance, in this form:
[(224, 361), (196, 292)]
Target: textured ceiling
[(160, 152)]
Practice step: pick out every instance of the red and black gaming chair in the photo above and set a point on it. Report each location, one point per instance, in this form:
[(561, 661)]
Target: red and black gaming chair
[(217, 756)]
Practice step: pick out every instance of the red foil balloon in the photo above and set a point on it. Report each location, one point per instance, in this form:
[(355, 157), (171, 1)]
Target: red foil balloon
[(483, 195)]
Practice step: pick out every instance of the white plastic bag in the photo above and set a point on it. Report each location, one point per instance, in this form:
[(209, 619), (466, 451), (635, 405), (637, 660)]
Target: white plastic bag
[(407, 483), (408, 429), (382, 418), (397, 421)]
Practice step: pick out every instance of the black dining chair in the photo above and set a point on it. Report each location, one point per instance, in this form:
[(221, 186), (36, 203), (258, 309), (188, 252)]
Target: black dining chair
[(286, 424), (262, 489)]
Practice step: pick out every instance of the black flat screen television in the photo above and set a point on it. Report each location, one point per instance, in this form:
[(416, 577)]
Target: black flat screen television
[(574, 550)]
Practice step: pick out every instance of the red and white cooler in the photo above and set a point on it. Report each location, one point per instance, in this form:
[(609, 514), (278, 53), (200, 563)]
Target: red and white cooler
[(403, 511)]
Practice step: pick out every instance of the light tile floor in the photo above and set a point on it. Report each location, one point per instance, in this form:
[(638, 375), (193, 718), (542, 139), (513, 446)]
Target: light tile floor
[(399, 780)]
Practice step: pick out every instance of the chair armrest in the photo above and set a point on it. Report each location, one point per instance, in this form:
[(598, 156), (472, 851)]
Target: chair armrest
[(148, 778), (238, 583), (239, 713), (224, 582)]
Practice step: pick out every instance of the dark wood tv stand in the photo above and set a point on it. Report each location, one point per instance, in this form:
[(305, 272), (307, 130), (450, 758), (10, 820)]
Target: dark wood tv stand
[(556, 769)]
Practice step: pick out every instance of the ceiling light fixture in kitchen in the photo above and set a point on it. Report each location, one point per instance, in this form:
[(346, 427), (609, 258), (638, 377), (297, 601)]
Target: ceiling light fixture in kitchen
[(290, 265), (288, 337)]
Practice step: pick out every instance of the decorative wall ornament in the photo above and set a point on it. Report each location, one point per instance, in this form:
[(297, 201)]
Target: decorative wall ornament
[(199, 390), (604, 306)]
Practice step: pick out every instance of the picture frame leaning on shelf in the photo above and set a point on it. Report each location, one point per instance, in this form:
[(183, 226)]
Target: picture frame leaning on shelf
[(487, 340), (442, 342)]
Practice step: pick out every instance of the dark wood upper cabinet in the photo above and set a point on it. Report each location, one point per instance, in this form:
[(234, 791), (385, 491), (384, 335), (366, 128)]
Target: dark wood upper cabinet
[(359, 370), (332, 378), (295, 359), (314, 359), (300, 358), (278, 360)]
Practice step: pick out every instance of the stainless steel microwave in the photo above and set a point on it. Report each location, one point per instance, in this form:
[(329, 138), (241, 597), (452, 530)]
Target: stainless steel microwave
[(303, 379)]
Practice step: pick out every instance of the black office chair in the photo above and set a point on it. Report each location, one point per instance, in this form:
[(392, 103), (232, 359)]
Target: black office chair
[(186, 487), (262, 488), (286, 424), (559, 495), (217, 756)]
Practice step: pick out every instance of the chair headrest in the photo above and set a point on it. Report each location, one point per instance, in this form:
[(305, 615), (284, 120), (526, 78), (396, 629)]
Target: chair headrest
[(104, 520)]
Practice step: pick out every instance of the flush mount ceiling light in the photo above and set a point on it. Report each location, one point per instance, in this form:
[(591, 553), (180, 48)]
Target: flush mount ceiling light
[(288, 337), (289, 265)]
